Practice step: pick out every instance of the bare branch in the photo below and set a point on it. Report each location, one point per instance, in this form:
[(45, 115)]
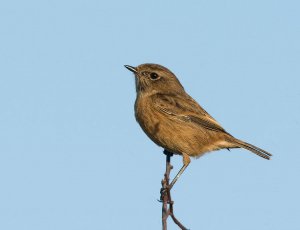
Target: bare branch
[(165, 195)]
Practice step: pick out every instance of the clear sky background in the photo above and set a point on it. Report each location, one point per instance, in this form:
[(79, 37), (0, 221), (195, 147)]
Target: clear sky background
[(72, 155)]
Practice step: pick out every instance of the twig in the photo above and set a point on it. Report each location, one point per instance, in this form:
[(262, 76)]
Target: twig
[(165, 195)]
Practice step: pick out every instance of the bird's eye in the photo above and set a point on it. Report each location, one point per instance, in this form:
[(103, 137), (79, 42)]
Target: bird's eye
[(153, 76)]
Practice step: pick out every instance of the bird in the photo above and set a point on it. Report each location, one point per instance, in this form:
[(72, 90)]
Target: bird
[(173, 120)]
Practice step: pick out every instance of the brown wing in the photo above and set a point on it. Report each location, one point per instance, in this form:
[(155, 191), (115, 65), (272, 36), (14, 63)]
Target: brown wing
[(185, 108)]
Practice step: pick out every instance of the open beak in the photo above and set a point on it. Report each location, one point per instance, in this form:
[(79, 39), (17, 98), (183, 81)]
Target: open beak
[(131, 68)]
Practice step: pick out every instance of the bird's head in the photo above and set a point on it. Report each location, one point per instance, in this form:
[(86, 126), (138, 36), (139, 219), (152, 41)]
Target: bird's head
[(154, 78)]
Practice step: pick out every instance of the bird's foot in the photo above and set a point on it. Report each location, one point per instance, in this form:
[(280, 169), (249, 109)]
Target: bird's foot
[(167, 153)]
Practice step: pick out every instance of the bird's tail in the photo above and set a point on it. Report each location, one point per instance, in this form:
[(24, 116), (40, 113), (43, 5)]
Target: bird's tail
[(258, 151)]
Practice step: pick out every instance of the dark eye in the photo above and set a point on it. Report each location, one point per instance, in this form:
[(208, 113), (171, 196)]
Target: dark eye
[(153, 76)]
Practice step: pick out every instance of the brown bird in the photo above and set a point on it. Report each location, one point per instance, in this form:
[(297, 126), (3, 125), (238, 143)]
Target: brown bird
[(175, 121)]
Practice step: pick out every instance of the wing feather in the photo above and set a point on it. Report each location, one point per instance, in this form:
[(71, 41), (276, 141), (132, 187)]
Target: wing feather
[(184, 108)]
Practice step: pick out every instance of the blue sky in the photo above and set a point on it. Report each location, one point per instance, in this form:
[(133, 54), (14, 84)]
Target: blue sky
[(72, 155)]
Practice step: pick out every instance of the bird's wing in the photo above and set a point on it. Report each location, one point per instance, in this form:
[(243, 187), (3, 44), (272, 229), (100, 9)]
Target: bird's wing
[(185, 108)]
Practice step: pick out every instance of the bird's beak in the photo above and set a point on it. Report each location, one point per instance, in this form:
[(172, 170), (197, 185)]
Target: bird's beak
[(131, 68)]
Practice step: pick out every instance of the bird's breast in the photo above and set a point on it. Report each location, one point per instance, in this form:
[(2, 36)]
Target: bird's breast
[(147, 117), (159, 128)]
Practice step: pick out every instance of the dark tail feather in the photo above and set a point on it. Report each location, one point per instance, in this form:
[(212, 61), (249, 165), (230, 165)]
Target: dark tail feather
[(258, 151)]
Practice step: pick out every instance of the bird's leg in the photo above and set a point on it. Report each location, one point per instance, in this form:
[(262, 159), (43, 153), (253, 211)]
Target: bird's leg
[(186, 162)]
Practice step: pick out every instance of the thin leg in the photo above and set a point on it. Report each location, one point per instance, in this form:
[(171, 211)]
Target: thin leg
[(186, 162)]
